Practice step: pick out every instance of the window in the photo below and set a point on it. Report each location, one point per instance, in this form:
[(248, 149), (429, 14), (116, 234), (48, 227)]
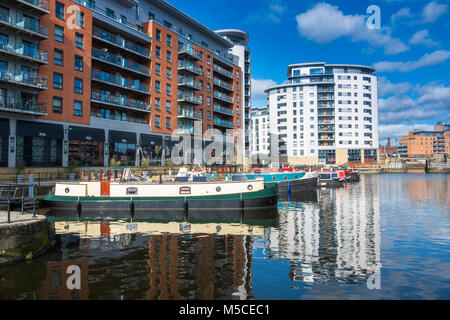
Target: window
[(209, 115), (110, 13), (158, 69), (58, 57), (157, 86), (158, 35), (57, 81), (208, 58), (79, 40), (59, 33), (123, 19), (168, 122), (168, 106), (169, 40), (169, 89), (157, 121), (78, 85), (59, 10), (158, 52), (169, 56), (80, 23), (78, 63), (57, 104), (169, 73), (157, 104), (78, 108)]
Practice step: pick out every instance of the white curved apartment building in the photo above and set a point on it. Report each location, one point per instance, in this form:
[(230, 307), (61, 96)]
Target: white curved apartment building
[(326, 114)]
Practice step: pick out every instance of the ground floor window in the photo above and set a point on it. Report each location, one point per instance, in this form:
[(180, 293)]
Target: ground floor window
[(123, 152), (327, 156), (86, 153), (3, 150), (370, 155), (39, 151), (354, 155)]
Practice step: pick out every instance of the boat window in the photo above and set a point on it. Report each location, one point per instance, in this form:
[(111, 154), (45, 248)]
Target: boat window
[(185, 190), (274, 178), (132, 191)]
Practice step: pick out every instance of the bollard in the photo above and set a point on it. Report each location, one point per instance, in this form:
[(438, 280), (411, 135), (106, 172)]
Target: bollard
[(9, 208), (31, 184)]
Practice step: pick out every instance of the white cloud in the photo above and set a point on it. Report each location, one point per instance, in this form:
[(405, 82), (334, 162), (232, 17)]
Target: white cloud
[(428, 59), (400, 15), (422, 37), (325, 23), (399, 130), (433, 11), (386, 88), (258, 86), (272, 11)]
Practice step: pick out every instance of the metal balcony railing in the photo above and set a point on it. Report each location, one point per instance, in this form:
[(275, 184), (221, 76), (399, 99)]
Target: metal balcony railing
[(119, 101), (118, 117), (23, 23), (19, 105), (120, 42), (21, 49), (189, 98), (119, 81), (41, 4), (222, 71), (222, 84), (189, 82), (120, 61), (189, 67), (223, 123), (222, 97), (190, 51), (183, 113), (220, 109), (24, 78)]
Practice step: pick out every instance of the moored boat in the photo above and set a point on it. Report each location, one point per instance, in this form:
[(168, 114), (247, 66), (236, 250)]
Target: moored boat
[(331, 179), (101, 195)]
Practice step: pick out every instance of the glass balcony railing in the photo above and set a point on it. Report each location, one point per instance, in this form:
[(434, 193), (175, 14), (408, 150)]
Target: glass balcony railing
[(189, 67), (120, 42), (119, 81), (325, 105), (119, 101), (19, 105), (223, 123), (117, 117), (222, 97), (189, 98), (325, 97), (189, 82), (23, 23), (24, 78), (190, 51), (223, 84), (42, 4), (22, 49), (223, 71), (120, 61), (220, 109), (185, 129), (189, 114)]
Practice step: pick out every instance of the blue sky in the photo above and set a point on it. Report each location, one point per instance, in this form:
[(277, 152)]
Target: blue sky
[(410, 52)]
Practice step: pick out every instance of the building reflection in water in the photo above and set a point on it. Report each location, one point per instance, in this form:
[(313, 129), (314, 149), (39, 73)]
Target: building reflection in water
[(202, 261), (423, 191), (335, 239)]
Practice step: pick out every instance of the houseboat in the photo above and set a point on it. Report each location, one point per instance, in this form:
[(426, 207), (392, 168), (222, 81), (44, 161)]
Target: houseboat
[(331, 179), (112, 194)]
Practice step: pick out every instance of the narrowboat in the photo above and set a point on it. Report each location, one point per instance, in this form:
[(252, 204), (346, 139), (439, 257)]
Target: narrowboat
[(331, 179), (111, 194)]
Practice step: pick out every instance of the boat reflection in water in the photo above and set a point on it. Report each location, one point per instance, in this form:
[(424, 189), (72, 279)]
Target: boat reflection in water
[(147, 260), (334, 239)]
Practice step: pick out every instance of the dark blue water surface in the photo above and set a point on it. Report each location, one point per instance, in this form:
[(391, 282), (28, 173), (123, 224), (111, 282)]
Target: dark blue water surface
[(386, 237)]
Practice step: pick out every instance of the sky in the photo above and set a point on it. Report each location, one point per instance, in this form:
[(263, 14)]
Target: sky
[(410, 51)]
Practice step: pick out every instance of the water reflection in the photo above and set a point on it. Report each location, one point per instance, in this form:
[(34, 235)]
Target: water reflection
[(336, 238)]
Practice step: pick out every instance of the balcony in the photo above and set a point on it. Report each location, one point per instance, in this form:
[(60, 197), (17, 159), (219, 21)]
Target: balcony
[(23, 24), (119, 82), (191, 68), (326, 121), (189, 83), (326, 114), (24, 51), (223, 84), (190, 52), (120, 42), (223, 123), (185, 129), (119, 101), (223, 97), (325, 105), (218, 108), (26, 79), (326, 129), (120, 62), (39, 6), (188, 114), (325, 97), (118, 117), (189, 99), (223, 72), (18, 105)]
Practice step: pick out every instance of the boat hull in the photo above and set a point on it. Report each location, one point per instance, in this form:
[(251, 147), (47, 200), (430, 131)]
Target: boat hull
[(227, 207)]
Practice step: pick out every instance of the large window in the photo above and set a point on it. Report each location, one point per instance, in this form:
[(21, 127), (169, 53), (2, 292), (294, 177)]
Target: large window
[(79, 40), (78, 63), (58, 57), (59, 33), (78, 108), (57, 80), (78, 85), (59, 10), (57, 104)]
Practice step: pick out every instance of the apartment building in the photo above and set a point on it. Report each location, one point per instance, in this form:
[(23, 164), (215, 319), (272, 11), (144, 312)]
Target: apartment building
[(240, 39), (259, 133), (426, 144), (326, 114), (93, 81)]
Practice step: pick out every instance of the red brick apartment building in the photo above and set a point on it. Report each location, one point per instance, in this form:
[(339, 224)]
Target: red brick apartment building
[(89, 81)]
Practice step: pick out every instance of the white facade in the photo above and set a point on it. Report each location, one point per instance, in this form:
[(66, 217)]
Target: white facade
[(259, 132), (323, 110)]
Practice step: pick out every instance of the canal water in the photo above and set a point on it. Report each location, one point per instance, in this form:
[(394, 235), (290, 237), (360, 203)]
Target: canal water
[(386, 237)]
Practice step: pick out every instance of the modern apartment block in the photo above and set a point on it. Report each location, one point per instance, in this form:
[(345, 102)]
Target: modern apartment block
[(98, 80), (240, 39), (260, 132), (425, 144), (326, 114)]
